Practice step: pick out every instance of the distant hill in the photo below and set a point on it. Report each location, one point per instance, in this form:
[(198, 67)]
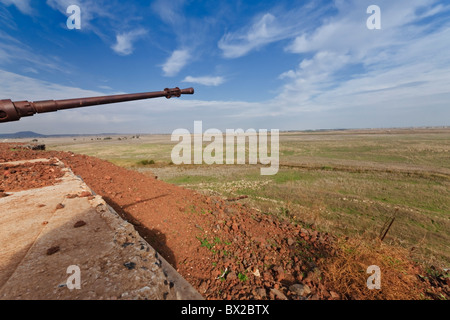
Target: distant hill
[(34, 135), (20, 135)]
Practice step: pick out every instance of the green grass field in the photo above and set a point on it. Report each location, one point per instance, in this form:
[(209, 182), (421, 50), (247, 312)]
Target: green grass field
[(345, 182)]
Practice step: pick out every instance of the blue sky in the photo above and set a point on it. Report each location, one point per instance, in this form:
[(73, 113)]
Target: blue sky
[(288, 65)]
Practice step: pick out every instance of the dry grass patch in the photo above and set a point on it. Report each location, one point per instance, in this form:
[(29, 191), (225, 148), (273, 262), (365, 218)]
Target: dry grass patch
[(346, 272)]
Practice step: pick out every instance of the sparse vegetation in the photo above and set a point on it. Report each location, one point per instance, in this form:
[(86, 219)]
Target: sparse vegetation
[(146, 162), (347, 183)]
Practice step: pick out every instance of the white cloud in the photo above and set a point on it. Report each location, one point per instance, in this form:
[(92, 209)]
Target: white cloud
[(22, 5), (105, 87), (30, 70), (270, 27), (206, 81), (176, 62), (401, 67), (124, 41), (170, 14), (263, 31)]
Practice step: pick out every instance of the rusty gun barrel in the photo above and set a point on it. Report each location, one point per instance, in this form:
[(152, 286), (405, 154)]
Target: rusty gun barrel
[(13, 111)]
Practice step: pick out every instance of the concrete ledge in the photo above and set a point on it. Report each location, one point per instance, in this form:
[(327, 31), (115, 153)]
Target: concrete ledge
[(45, 231)]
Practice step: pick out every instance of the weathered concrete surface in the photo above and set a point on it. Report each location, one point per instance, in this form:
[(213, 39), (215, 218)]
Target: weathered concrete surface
[(114, 261)]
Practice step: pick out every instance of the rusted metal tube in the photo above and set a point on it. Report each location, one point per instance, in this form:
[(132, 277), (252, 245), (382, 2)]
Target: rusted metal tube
[(13, 111)]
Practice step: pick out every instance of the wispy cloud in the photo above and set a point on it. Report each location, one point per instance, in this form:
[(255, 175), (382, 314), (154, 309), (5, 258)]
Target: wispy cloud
[(124, 41), (206, 81), (23, 5), (265, 30), (192, 36), (401, 66), (269, 27), (176, 62), (170, 14), (14, 51)]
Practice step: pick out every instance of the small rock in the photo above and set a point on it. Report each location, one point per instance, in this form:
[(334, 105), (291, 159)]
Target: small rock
[(79, 224), (60, 206), (304, 231), (85, 194), (261, 293), (231, 276), (127, 244), (290, 241), (203, 287), (279, 273), (300, 289), (277, 293), (334, 295), (52, 250), (267, 276), (130, 265)]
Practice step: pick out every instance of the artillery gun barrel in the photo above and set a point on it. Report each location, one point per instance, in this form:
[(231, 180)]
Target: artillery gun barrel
[(13, 111)]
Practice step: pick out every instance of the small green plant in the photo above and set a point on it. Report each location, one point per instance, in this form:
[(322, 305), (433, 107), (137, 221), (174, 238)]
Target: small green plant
[(431, 271), (243, 277), (284, 211), (190, 209), (205, 243), (146, 162)]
